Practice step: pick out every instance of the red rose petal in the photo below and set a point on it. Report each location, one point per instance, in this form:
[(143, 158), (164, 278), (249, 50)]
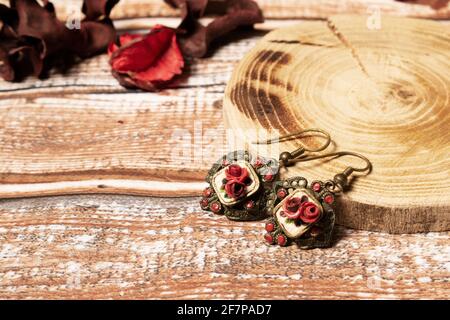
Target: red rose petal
[(126, 37), (112, 47), (168, 65), (123, 39), (147, 61), (140, 55)]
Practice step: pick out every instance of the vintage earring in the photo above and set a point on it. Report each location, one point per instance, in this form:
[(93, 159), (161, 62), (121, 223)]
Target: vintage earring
[(303, 213), (239, 183)]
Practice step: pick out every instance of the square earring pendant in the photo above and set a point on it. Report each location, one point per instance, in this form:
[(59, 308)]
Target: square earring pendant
[(301, 214), (239, 186)]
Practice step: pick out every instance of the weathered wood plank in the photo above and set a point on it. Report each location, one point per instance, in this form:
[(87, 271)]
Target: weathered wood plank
[(94, 75), (83, 125), (277, 9), (136, 136), (285, 9), (135, 247), (132, 247)]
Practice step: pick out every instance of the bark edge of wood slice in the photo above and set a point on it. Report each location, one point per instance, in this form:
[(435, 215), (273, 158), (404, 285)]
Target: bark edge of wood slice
[(383, 92)]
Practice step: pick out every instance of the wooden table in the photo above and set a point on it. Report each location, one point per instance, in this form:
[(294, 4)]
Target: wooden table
[(83, 125)]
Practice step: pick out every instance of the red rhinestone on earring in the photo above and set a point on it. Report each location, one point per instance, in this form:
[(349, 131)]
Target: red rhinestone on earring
[(316, 187), (281, 193), (204, 203), (270, 227), (269, 238), (215, 207), (250, 204), (329, 199), (281, 240), (207, 192)]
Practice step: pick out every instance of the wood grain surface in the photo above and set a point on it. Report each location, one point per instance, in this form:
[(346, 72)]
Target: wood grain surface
[(318, 9), (108, 246), (83, 126), (382, 93), (79, 125), (278, 9), (136, 247)]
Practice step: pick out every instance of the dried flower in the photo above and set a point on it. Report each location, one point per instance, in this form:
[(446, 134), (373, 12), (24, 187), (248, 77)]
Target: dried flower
[(147, 62), (434, 4), (195, 38), (32, 38)]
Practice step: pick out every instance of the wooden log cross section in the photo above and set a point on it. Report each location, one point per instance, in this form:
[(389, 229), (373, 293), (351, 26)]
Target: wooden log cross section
[(384, 93)]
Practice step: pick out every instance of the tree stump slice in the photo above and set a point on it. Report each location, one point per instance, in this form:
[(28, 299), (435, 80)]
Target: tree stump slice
[(384, 93)]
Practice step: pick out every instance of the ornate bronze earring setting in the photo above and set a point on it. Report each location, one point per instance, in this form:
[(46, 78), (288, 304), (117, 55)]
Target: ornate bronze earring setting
[(303, 213), (246, 188), (239, 184)]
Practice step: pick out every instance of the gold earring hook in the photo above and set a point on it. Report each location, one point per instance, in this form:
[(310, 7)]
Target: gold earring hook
[(349, 170), (341, 179), (286, 156)]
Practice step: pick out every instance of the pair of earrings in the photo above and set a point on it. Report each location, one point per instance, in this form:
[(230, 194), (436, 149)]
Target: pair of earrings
[(245, 188)]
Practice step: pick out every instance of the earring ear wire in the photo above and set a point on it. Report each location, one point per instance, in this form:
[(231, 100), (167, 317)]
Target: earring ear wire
[(349, 170), (340, 179), (286, 157)]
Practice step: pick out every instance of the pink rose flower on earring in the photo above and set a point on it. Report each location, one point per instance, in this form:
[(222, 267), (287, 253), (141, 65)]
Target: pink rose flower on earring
[(309, 213), (291, 207), (237, 173), (235, 189), (300, 208)]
